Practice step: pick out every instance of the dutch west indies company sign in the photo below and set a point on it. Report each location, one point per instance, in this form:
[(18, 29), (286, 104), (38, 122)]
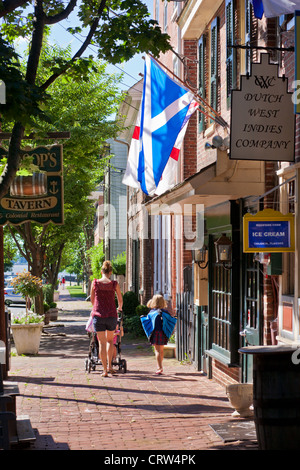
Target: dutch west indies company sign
[(269, 231), (262, 116)]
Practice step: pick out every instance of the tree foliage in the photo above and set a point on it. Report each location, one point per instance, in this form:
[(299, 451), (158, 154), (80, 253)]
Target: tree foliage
[(117, 28), (81, 107)]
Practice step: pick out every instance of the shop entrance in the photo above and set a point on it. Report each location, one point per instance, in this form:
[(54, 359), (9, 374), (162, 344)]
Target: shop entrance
[(252, 310)]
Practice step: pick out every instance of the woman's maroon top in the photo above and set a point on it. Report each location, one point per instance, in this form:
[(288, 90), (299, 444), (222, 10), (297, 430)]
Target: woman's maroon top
[(104, 303)]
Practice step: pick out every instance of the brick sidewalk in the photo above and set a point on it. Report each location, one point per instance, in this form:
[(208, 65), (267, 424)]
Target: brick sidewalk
[(72, 409)]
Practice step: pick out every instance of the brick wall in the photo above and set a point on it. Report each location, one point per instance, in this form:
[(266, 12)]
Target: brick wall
[(189, 160), (225, 375)]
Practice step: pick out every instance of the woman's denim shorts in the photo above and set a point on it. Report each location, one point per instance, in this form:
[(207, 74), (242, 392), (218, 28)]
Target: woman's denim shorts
[(103, 324)]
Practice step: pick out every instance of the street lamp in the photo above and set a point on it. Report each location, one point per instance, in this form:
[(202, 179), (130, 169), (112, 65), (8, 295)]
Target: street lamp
[(200, 257), (223, 248)]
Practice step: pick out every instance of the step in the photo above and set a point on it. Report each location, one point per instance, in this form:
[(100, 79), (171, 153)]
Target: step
[(25, 433)]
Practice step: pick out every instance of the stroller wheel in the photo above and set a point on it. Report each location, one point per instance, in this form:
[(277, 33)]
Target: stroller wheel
[(123, 366), (88, 365)]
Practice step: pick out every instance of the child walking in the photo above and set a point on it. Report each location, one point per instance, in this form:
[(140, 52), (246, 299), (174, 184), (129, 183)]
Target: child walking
[(158, 326)]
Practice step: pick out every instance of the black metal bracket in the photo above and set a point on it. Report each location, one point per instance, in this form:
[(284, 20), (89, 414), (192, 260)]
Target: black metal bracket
[(269, 48)]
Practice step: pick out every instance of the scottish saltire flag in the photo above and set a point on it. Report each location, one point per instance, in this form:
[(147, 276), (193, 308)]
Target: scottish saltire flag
[(272, 8), (161, 125)]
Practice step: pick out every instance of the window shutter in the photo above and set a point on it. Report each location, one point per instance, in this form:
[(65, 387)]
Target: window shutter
[(214, 65), (248, 38), (231, 53), (201, 78)]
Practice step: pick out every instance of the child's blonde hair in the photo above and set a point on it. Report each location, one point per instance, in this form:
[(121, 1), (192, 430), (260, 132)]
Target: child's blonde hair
[(157, 301)]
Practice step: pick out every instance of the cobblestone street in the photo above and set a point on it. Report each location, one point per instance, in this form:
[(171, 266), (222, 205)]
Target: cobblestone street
[(70, 408)]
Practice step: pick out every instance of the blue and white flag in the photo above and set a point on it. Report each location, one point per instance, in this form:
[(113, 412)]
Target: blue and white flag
[(272, 8), (161, 125)]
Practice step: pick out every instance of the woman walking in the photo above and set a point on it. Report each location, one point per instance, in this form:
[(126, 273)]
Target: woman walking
[(158, 326), (105, 314)]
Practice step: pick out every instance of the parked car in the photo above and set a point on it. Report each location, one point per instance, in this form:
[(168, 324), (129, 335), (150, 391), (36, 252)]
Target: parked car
[(7, 280), (11, 297)]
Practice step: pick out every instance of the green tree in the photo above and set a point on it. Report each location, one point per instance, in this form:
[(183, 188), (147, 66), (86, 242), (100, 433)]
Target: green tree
[(97, 256), (10, 250), (82, 108), (119, 264), (118, 28)]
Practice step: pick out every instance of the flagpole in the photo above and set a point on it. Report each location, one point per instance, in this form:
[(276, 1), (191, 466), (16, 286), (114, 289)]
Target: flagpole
[(219, 118)]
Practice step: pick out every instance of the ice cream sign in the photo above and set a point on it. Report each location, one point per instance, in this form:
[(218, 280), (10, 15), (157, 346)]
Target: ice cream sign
[(268, 231)]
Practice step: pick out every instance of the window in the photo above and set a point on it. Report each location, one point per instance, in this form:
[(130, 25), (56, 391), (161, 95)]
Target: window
[(162, 255), (157, 10), (224, 301), (221, 310), (231, 51), (214, 64), (288, 278), (201, 78), (165, 15)]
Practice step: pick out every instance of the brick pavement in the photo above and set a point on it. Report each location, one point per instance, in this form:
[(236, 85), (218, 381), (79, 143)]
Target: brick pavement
[(72, 409)]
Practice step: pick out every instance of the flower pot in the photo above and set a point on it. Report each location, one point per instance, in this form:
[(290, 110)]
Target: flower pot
[(27, 337), (170, 350), (241, 398)]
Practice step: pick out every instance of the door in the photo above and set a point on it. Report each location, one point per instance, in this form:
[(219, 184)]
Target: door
[(204, 338), (252, 311), (185, 326)]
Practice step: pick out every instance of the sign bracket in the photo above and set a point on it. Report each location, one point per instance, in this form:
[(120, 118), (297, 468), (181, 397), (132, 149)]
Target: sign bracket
[(263, 48)]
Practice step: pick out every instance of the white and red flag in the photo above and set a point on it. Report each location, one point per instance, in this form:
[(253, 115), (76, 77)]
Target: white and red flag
[(160, 128)]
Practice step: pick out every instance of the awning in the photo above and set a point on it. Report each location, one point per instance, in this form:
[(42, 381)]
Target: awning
[(219, 182)]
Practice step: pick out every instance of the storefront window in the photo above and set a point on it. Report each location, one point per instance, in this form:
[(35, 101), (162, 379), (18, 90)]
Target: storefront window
[(221, 303)]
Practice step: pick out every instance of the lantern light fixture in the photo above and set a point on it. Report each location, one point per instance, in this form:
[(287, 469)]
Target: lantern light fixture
[(200, 257), (223, 248)]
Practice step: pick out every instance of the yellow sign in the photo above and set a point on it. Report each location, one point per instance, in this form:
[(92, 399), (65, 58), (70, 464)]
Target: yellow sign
[(269, 231)]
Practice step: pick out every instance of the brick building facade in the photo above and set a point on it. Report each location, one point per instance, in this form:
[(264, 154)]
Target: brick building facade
[(216, 313)]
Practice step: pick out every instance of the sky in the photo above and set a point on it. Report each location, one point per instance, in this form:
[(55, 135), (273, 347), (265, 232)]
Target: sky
[(130, 69)]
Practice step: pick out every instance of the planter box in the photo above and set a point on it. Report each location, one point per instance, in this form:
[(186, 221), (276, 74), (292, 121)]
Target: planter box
[(53, 314), (27, 337), (170, 350)]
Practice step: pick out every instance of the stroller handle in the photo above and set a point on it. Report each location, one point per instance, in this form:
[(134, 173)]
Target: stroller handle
[(120, 314)]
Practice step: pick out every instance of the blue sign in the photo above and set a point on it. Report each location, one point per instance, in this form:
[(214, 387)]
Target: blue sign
[(269, 234)]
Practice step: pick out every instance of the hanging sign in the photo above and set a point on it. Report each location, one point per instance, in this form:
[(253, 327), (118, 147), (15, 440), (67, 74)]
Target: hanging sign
[(262, 116), (268, 231), (38, 197)]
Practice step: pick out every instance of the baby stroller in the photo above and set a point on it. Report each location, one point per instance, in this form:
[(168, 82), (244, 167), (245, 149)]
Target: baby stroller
[(93, 359)]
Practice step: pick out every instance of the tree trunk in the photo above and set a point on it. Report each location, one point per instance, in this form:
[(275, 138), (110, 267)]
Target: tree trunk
[(51, 270)]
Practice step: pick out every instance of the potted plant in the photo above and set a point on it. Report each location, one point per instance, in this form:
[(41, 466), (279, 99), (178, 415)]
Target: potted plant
[(27, 327)]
